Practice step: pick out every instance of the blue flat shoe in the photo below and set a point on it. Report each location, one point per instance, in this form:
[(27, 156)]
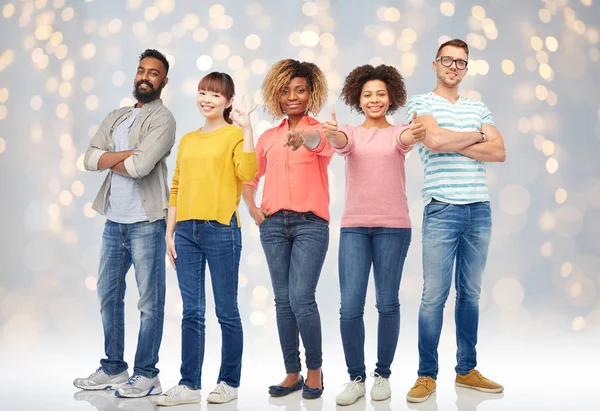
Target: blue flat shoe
[(280, 391), (313, 393)]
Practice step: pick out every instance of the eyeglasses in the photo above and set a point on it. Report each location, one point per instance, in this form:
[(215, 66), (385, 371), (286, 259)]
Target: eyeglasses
[(447, 62)]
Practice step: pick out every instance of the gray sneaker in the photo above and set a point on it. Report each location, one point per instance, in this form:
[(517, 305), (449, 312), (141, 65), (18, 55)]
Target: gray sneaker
[(100, 380), (139, 386)]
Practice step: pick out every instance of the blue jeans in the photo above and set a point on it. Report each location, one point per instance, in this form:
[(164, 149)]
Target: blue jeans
[(196, 243), (452, 232), (295, 246), (385, 249), (143, 245)]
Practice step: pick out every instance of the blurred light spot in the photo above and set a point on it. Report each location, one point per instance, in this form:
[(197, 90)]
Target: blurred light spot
[(204, 63), (409, 35), (65, 89), (235, 62), (566, 269), (386, 37), (80, 163), (508, 67), (560, 196), (260, 293), (243, 281), (547, 249), (578, 323), (552, 98), (531, 63), (575, 289), (92, 102), (220, 51), (327, 40), (151, 13), (200, 34), (552, 165), (2, 145), (65, 141), (66, 198), (546, 71), (508, 293), (548, 147), (541, 92), (8, 10), (447, 9), (67, 14), (126, 102), (36, 102), (514, 199), (216, 11), (478, 12), (545, 15), (551, 43), (88, 51), (541, 57), (62, 110), (483, 67), (61, 51), (392, 14), (254, 259), (524, 125), (310, 9), (43, 32), (91, 283), (294, 39), (547, 221), (536, 43), (88, 211), (309, 38), (442, 39), (257, 318)]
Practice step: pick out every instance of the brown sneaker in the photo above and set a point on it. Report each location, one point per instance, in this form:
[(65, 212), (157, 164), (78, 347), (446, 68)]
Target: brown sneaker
[(476, 381), (423, 388)]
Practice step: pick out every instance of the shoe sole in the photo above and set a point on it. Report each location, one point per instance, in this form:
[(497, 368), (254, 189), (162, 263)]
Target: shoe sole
[(99, 387), (349, 403), (151, 391), (178, 403), (488, 390), (220, 402), (417, 400), (380, 399)]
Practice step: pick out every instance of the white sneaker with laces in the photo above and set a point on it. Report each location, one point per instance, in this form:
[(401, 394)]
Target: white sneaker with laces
[(222, 394), (381, 388), (352, 392), (139, 386), (179, 394), (100, 380)]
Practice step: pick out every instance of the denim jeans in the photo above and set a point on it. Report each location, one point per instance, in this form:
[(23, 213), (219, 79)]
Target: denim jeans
[(143, 245), (452, 232), (385, 249), (196, 243), (295, 246)]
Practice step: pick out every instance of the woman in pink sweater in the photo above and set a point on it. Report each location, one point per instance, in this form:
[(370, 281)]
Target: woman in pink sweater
[(376, 228)]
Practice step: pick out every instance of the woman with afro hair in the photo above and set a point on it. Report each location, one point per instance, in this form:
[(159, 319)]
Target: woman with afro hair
[(375, 226), (293, 217)]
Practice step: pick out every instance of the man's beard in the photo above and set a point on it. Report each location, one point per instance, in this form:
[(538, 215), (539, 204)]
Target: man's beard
[(147, 96)]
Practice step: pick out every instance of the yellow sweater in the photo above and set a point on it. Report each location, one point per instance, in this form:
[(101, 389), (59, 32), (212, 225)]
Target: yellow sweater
[(207, 182)]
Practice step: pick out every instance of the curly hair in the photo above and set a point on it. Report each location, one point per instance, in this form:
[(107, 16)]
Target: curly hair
[(280, 75), (360, 75)]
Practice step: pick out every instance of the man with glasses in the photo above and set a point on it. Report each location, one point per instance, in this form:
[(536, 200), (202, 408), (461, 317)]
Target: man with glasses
[(457, 220)]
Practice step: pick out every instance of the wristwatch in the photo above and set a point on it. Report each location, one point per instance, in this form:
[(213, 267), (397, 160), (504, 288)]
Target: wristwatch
[(483, 137)]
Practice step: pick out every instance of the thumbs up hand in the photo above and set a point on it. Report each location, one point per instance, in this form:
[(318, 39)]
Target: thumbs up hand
[(417, 129), (330, 127)]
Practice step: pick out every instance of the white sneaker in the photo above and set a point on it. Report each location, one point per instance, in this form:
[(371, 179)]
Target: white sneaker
[(100, 380), (222, 393), (381, 388), (179, 394), (139, 386), (353, 391)]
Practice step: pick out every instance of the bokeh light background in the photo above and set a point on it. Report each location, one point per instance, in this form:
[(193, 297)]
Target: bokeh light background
[(65, 64)]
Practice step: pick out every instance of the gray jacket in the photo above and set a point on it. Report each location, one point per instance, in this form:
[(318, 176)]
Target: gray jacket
[(152, 136)]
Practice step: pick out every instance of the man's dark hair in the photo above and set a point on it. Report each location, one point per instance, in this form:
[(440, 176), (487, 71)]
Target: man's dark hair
[(156, 55)]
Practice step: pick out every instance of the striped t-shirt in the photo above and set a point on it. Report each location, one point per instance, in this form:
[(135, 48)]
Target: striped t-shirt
[(452, 177)]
